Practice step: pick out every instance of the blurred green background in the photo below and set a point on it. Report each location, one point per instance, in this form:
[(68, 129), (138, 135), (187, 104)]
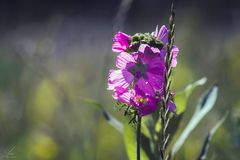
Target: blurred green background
[(53, 54)]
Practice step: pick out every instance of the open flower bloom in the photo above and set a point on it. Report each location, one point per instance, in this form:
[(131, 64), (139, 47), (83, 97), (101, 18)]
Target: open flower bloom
[(121, 42), (144, 104), (162, 35), (143, 69)]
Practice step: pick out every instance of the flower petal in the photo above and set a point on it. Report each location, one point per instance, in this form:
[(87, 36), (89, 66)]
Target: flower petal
[(155, 33), (116, 47), (163, 34), (145, 86), (172, 106), (146, 54), (122, 96), (175, 52), (142, 48), (123, 59), (117, 79), (148, 104), (120, 42), (156, 81), (156, 62), (148, 108), (127, 76)]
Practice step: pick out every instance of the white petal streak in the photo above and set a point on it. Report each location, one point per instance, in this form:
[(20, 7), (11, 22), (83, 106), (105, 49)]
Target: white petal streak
[(123, 59)]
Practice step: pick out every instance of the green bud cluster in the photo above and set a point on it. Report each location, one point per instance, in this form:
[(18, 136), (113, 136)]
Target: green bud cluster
[(145, 38)]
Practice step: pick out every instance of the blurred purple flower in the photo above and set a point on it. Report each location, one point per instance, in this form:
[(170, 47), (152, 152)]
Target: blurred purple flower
[(121, 42)]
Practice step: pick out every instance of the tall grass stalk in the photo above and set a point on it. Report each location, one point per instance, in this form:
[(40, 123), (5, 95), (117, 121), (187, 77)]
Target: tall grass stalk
[(164, 111)]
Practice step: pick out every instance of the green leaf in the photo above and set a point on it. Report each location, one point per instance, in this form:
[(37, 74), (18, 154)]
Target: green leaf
[(130, 142), (110, 119), (181, 98), (91, 102), (150, 130), (205, 104), (145, 129), (205, 147), (113, 121)]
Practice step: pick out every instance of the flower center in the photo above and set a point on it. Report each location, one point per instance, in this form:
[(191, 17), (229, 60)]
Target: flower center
[(140, 100), (138, 70)]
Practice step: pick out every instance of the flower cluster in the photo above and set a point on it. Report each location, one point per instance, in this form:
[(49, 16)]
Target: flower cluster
[(139, 79)]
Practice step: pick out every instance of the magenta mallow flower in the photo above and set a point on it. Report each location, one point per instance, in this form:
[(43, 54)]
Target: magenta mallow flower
[(143, 69), (139, 79), (162, 35), (144, 104), (121, 42)]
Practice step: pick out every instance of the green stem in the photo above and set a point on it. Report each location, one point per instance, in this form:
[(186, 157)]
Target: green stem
[(139, 137)]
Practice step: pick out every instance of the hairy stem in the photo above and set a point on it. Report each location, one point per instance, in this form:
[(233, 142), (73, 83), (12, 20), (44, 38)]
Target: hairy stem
[(139, 137)]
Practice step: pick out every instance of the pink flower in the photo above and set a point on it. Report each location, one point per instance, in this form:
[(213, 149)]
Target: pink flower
[(162, 35), (143, 69), (121, 42), (144, 104), (139, 79)]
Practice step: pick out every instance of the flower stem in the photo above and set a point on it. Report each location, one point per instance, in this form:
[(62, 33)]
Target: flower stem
[(139, 137)]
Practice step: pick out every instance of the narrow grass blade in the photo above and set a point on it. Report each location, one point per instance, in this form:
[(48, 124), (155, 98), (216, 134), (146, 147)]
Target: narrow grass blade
[(110, 119), (205, 147), (181, 98), (205, 104)]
